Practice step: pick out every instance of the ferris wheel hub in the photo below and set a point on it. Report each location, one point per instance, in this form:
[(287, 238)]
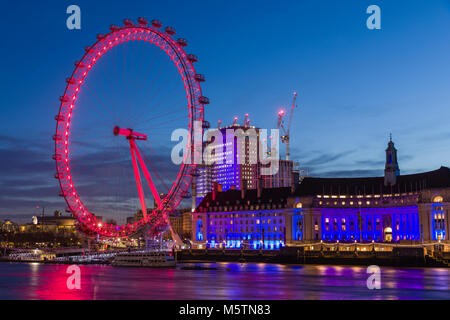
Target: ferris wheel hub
[(129, 133)]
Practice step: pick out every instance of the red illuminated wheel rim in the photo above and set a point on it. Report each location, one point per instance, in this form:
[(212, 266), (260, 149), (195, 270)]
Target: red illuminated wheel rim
[(123, 36)]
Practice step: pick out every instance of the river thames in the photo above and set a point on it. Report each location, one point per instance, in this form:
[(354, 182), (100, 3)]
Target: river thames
[(228, 281)]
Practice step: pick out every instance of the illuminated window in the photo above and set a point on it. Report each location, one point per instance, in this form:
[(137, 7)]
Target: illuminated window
[(438, 199), (299, 205), (438, 222)]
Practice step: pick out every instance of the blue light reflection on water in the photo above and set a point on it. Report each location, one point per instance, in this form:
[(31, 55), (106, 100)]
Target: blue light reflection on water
[(228, 281)]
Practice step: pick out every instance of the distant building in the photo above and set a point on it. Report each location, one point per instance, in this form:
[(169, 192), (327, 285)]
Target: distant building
[(137, 216), (55, 223), (187, 223), (181, 222), (8, 226), (176, 221), (412, 208)]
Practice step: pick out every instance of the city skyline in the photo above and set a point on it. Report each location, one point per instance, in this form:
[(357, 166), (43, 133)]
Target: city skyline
[(363, 84)]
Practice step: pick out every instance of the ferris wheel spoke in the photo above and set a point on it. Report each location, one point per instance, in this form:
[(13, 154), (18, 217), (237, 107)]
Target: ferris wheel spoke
[(163, 124), (163, 114), (107, 111), (102, 91), (138, 121), (144, 108)]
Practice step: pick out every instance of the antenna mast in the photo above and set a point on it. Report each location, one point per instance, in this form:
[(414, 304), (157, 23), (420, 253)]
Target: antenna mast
[(285, 138)]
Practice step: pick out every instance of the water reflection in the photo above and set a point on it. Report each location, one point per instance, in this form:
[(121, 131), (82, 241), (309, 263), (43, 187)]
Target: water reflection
[(227, 281)]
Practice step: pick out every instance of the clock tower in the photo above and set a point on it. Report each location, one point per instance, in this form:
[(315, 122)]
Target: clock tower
[(391, 171)]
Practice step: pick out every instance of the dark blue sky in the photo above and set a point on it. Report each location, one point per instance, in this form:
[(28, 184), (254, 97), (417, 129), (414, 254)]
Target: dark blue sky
[(355, 85)]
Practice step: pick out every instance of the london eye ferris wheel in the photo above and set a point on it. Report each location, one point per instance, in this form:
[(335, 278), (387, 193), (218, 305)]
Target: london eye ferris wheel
[(130, 90)]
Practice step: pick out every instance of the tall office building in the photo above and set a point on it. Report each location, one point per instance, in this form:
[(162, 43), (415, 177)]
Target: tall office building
[(231, 166)]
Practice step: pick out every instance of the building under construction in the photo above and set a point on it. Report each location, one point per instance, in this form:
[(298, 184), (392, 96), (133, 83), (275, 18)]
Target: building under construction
[(241, 172)]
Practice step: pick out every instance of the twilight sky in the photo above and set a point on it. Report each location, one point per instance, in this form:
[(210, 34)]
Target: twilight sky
[(355, 85)]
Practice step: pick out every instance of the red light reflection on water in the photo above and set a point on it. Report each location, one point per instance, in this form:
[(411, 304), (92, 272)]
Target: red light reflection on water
[(225, 281), (51, 283)]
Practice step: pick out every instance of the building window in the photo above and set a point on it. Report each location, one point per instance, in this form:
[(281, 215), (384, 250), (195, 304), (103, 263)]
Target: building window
[(438, 219)]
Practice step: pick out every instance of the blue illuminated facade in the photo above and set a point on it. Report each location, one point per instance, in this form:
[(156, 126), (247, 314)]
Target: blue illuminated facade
[(438, 222), (384, 224), (415, 210), (297, 225), (226, 169), (247, 229)]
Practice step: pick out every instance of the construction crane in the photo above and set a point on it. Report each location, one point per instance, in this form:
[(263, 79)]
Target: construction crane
[(286, 130)]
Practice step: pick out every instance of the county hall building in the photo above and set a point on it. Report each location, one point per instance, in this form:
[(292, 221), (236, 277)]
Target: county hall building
[(394, 208)]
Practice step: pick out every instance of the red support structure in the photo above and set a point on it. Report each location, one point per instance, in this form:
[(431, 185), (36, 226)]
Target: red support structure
[(146, 174), (137, 176)]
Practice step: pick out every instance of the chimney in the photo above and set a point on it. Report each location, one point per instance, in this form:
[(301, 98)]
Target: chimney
[(294, 180), (259, 186), (243, 188), (214, 194), (194, 194)]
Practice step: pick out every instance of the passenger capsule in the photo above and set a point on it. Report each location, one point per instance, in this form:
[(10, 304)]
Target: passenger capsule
[(199, 77), (192, 58), (128, 23), (70, 81), (64, 99), (206, 124), (182, 42), (170, 31), (114, 28), (142, 21), (156, 23), (80, 64), (203, 100)]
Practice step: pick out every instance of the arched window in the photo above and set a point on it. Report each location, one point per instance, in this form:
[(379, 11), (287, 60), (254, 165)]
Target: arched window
[(438, 199)]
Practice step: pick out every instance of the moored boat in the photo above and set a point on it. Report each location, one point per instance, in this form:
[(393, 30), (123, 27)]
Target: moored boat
[(147, 258)]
